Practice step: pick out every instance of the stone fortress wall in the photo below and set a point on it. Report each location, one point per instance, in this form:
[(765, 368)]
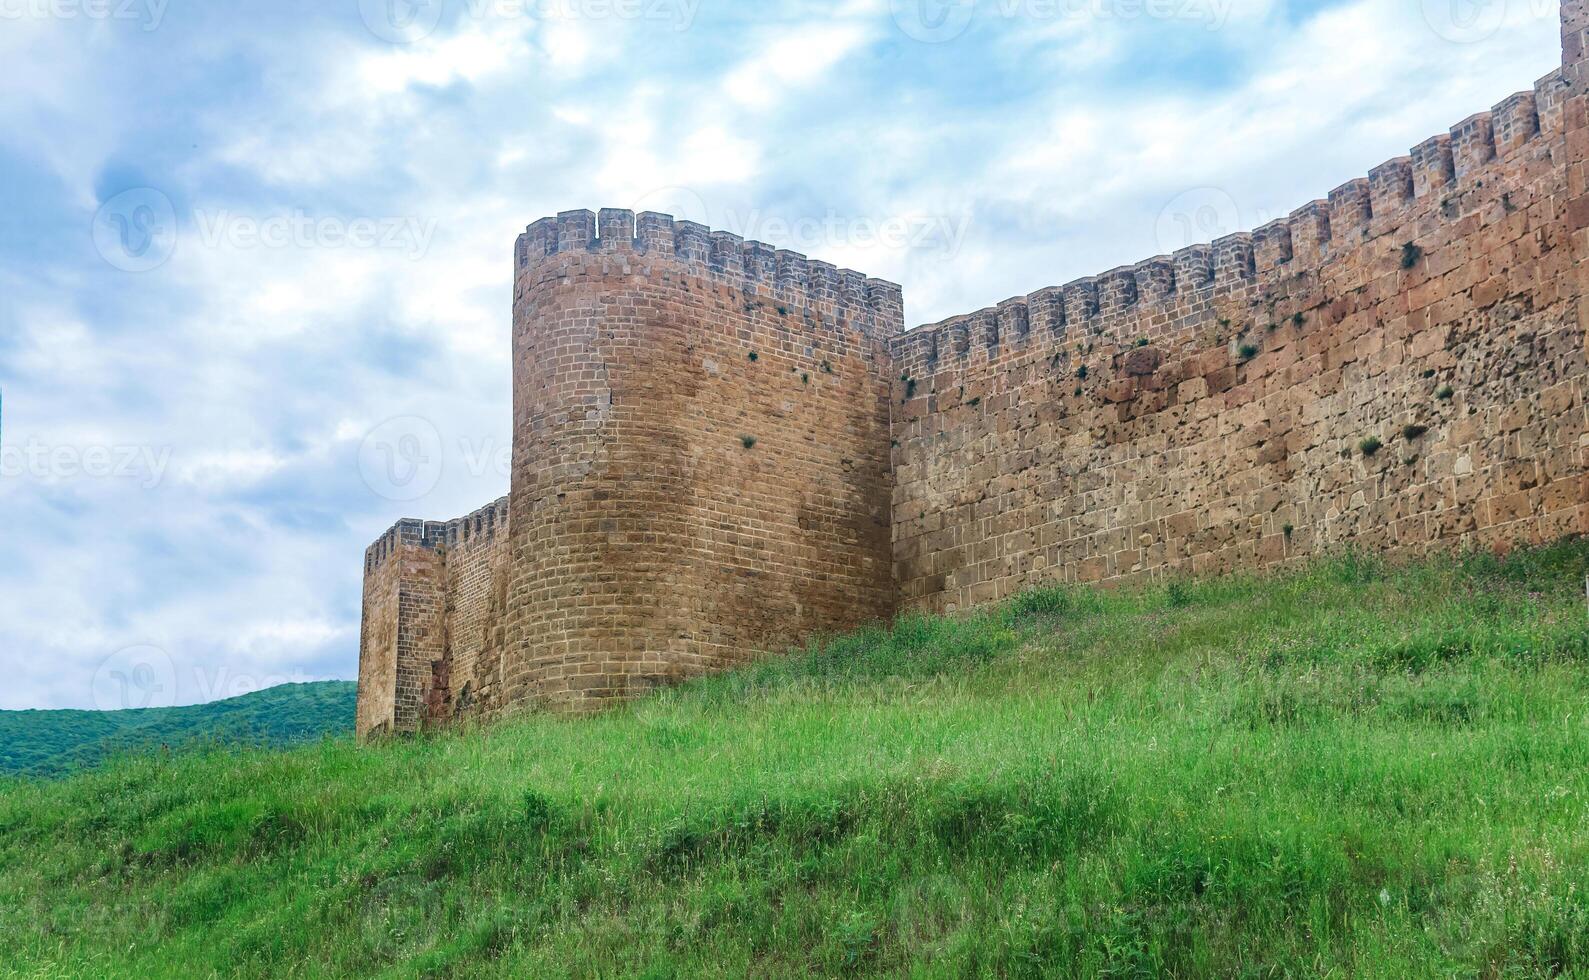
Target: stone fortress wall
[(700, 465), (1210, 410), (721, 449), (430, 646), (700, 474)]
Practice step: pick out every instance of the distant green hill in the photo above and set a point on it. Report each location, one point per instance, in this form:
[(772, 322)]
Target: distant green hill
[(51, 743)]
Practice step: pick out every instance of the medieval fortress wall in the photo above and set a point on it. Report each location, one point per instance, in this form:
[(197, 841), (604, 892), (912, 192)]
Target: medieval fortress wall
[(431, 641), (701, 473), (721, 449), (1210, 410), (700, 454)]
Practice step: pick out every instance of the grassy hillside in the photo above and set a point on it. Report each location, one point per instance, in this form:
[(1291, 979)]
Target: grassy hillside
[(49, 743), (1342, 771)]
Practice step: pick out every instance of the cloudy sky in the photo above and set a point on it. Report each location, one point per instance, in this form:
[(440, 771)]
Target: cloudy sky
[(255, 256)]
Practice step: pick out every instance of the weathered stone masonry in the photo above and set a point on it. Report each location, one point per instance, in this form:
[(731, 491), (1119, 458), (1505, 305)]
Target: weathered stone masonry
[(431, 645), (701, 473), (1208, 410), (720, 449), (701, 454)]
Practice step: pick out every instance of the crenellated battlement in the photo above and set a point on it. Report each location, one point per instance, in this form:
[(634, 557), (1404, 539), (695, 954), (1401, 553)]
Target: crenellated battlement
[(1111, 307), (755, 267), (474, 528), (1399, 364)]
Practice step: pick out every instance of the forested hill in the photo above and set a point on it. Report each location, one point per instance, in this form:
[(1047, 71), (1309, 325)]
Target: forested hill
[(50, 743)]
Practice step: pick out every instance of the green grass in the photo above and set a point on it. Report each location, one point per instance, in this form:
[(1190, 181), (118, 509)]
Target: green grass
[(52, 743), (1344, 770)]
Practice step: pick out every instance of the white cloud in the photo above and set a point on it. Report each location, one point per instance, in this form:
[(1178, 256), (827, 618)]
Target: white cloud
[(792, 59), (1316, 106), (483, 48), (213, 471)]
